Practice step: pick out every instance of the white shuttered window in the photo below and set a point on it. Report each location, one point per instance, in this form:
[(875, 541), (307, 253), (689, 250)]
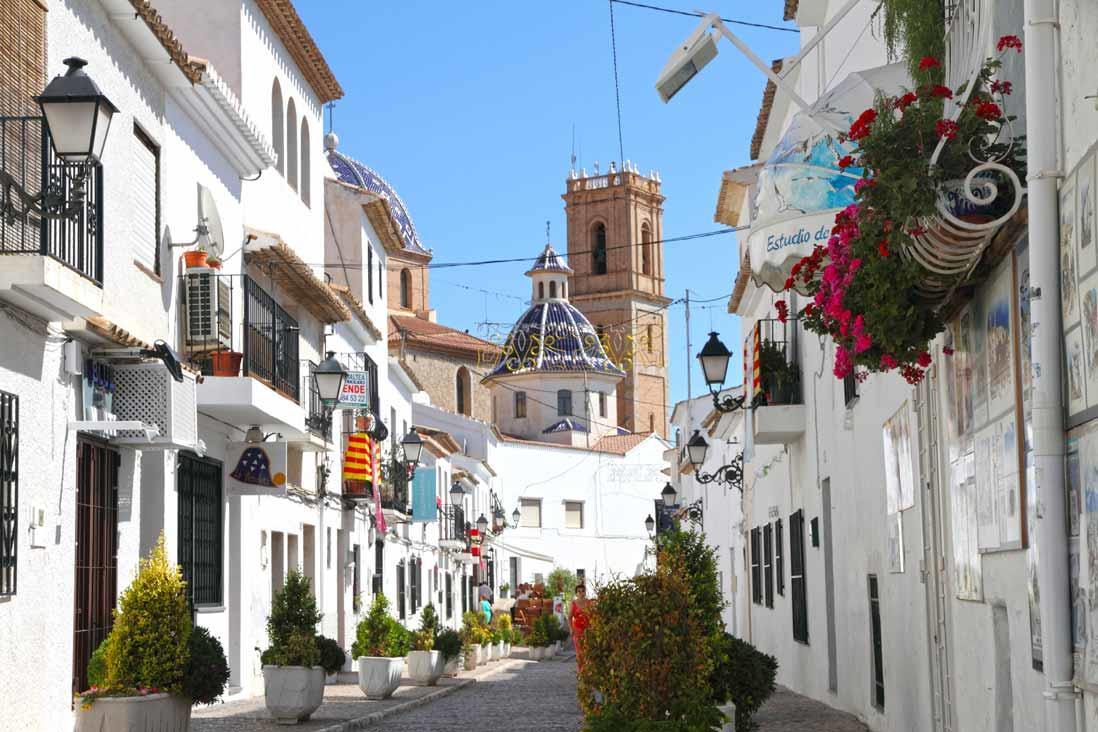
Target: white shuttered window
[(145, 201), (573, 514), (531, 512)]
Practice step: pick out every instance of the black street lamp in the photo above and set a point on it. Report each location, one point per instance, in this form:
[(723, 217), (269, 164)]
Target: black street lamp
[(714, 357), (731, 474), (650, 524), (329, 376), (412, 445), (669, 494), (76, 118), (516, 517), (457, 494), (482, 525)]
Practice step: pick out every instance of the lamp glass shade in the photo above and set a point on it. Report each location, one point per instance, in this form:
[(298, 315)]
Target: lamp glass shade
[(413, 446), (696, 448), (78, 116), (457, 493), (516, 517), (482, 524), (329, 376), (650, 524), (669, 494), (714, 357)]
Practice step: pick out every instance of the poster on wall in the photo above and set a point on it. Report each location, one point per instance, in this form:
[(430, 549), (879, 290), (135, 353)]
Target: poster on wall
[(1076, 383), (1069, 295), (999, 340), (966, 552), (256, 468), (998, 486), (1084, 207), (986, 515), (1088, 294), (1033, 589), (899, 471), (1088, 444), (896, 543)]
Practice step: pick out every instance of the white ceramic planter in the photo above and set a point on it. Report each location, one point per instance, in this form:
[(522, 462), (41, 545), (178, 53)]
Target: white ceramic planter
[(483, 654), (292, 693), (379, 677), (500, 655), (506, 650), (425, 667), (536, 652), (452, 666), (493, 651), (160, 712), (472, 656), (729, 711)]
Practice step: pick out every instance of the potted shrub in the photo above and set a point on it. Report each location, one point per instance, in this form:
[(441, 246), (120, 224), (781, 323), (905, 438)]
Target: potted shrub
[(477, 635), (780, 377), (448, 643), (139, 680), (213, 262), (207, 668), (225, 363), (470, 652), (742, 678), (505, 628), (293, 679), (332, 657), (425, 662), (379, 651), (495, 643)]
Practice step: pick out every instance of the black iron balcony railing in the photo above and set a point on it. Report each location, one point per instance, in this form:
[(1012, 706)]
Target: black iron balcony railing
[(451, 524), (778, 377), (232, 326), (26, 155)]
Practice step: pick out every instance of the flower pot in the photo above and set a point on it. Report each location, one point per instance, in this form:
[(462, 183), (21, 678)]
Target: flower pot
[(425, 667), (984, 186), (483, 653), (729, 712), (225, 363), (379, 677), (292, 693), (160, 712), (195, 258), (452, 665), (214, 264), (499, 651), (537, 653), (472, 656), (493, 651), (506, 650)]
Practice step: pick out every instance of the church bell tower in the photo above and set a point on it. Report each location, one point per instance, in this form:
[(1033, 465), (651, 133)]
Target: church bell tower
[(615, 226)]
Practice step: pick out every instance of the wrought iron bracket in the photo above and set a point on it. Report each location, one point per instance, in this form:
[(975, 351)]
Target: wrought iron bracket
[(730, 474), (17, 205), (732, 403)]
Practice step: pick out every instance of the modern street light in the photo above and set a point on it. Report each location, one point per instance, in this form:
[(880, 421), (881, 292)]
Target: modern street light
[(412, 445)]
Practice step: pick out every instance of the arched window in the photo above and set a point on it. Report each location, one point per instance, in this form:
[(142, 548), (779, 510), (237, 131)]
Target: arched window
[(552, 288), (598, 249), (291, 144), (463, 384), (564, 289), (564, 403), (305, 187), (541, 290), (277, 126), (646, 249), (405, 289), (370, 273)]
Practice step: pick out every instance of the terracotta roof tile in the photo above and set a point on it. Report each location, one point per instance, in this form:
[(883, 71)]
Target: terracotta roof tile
[(764, 111), (295, 276), (428, 336), (620, 444), (191, 67), (356, 307), (287, 24)]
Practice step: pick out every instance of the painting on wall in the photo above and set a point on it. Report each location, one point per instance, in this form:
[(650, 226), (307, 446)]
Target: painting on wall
[(998, 486), (1084, 205), (999, 339), (1069, 295), (896, 543), (977, 363), (1076, 384), (964, 372), (966, 551), (1089, 301), (899, 471), (1089, 469)]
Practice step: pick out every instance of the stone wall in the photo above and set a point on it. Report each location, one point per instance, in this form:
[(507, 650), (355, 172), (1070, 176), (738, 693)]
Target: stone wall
[(438, 375)]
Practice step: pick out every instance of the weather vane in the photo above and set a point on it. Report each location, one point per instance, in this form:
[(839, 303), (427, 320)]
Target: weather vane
[(547, 232)]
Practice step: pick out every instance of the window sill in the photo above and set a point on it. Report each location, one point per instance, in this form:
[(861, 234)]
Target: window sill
[(148, 272), (209, 608)]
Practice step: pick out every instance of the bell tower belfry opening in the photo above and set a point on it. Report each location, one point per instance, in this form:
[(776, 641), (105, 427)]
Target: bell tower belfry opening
[(615, 229)]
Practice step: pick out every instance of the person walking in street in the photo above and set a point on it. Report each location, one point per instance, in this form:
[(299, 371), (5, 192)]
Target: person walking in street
[(579, 620)]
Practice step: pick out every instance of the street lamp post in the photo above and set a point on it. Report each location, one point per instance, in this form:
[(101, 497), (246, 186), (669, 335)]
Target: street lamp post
[(714, 357), (328, 377), (730, 474)]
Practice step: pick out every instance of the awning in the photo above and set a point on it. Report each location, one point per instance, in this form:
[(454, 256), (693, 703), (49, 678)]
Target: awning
[(295, 276), (801, 187)]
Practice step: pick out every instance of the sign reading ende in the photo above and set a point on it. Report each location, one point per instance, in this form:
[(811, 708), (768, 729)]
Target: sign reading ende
[(355, 393)]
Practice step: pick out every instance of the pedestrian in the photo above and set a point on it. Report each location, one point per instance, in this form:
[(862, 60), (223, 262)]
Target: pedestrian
[(486, 608), (579, 619)]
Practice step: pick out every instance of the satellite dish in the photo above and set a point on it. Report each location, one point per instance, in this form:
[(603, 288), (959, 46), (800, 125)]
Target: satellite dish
[(207, 212)]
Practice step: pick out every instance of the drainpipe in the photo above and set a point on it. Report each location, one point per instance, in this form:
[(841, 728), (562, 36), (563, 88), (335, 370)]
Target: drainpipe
[(1042, 134)]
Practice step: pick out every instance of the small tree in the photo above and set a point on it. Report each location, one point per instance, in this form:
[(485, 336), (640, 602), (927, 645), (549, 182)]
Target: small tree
[(372, 635), (744, 676), (207, 671), (291, 626), (149, 645), (561, 581), (428, 620)]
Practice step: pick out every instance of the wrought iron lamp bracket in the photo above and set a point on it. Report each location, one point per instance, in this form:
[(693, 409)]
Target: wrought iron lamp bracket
[(730, 474), (732, 402), (18, 205)]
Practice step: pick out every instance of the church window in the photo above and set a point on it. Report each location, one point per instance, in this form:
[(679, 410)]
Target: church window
[(291, 144), (520, 404), (646, 250), (541, 290), (277, 126), (405, 289), (602, 404), (598, 249), (305, 182), (564, 403), (553, 288), (651, 423), (650, 338), (369, 275), (463, 384)]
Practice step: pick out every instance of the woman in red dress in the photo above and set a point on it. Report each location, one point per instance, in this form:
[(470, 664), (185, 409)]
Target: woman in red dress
[(579, 621)]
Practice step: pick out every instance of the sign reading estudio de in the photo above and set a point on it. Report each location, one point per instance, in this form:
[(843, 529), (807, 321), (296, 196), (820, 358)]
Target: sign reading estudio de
[(355, 393), (793, 233)]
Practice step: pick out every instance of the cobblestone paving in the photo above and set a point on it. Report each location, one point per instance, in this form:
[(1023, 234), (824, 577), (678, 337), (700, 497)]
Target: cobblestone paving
[(789, 712), (532, 697)]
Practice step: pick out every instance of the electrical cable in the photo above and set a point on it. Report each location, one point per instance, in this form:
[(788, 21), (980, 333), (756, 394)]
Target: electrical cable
[(702, 15), (617, 89)]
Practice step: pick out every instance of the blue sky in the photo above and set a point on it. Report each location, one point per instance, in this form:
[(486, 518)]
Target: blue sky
[(468, 110)]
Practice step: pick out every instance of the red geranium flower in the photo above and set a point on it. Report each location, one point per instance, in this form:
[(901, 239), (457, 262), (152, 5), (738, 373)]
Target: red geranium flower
[(888, 361), (883, 247), (923, 359), (808, 310), (941, 91), (945, 128), (861, 126), (1002, 87), (783, 310), (906, 101), (1010, 42), (947, 351), (929, 62), (789, 283), (989, 110), (846, 161)]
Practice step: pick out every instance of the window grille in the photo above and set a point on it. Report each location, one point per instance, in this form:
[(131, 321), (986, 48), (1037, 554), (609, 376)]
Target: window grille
[(401, 611), (200, 529), (779, 558), (9, 492)]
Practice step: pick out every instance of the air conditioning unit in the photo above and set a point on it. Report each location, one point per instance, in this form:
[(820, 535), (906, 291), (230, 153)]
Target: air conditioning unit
[(207, 311), (147, 393)]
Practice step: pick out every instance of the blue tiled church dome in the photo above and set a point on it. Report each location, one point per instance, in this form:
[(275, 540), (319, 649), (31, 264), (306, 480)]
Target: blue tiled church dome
[(359, 174)]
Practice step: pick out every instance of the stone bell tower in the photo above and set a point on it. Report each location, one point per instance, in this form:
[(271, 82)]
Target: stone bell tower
[(615, 226)]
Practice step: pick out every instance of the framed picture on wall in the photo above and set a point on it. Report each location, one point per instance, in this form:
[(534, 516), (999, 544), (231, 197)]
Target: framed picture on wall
[(1085, 220), (1069, 279)]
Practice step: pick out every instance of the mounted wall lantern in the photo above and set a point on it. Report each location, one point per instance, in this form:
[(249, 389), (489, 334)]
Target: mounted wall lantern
[(714, 357), (482, 525), (731, 474), (412, 444), (650, 524), (457, 494), (516, 518), (329, 376), (669, 494)]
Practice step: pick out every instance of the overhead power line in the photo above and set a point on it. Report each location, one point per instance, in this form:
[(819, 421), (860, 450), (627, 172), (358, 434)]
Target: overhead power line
[(695, 14)]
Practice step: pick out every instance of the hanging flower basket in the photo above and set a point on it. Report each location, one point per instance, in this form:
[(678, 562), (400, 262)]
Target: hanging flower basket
[(916, 232)]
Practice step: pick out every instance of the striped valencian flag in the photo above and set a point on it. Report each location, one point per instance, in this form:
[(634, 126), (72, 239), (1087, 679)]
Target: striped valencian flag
[(358, 463)]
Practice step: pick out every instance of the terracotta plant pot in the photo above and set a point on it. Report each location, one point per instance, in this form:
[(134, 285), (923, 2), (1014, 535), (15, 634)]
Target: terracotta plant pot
[(214, 264), (225, 363), (195, 258)]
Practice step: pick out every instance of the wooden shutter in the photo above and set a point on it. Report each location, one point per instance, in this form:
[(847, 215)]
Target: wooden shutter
[(144, 213), (799, 600), (768, 564), (756, 567), (779, 558)]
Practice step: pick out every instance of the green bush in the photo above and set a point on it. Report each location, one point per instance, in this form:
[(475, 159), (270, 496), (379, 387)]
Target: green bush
[(149, 643), (97, 666), (647, 656), (561, 581), (332, 656), (422, 640), (744, 676), (208, 670), (291, 626), (428, 620), (399, 642), (372, 633), (699, 562), (474, 628), (448, 643)]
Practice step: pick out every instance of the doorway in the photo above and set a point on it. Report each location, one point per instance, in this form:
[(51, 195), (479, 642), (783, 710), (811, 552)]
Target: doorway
[(96, 577), (278, 562)]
